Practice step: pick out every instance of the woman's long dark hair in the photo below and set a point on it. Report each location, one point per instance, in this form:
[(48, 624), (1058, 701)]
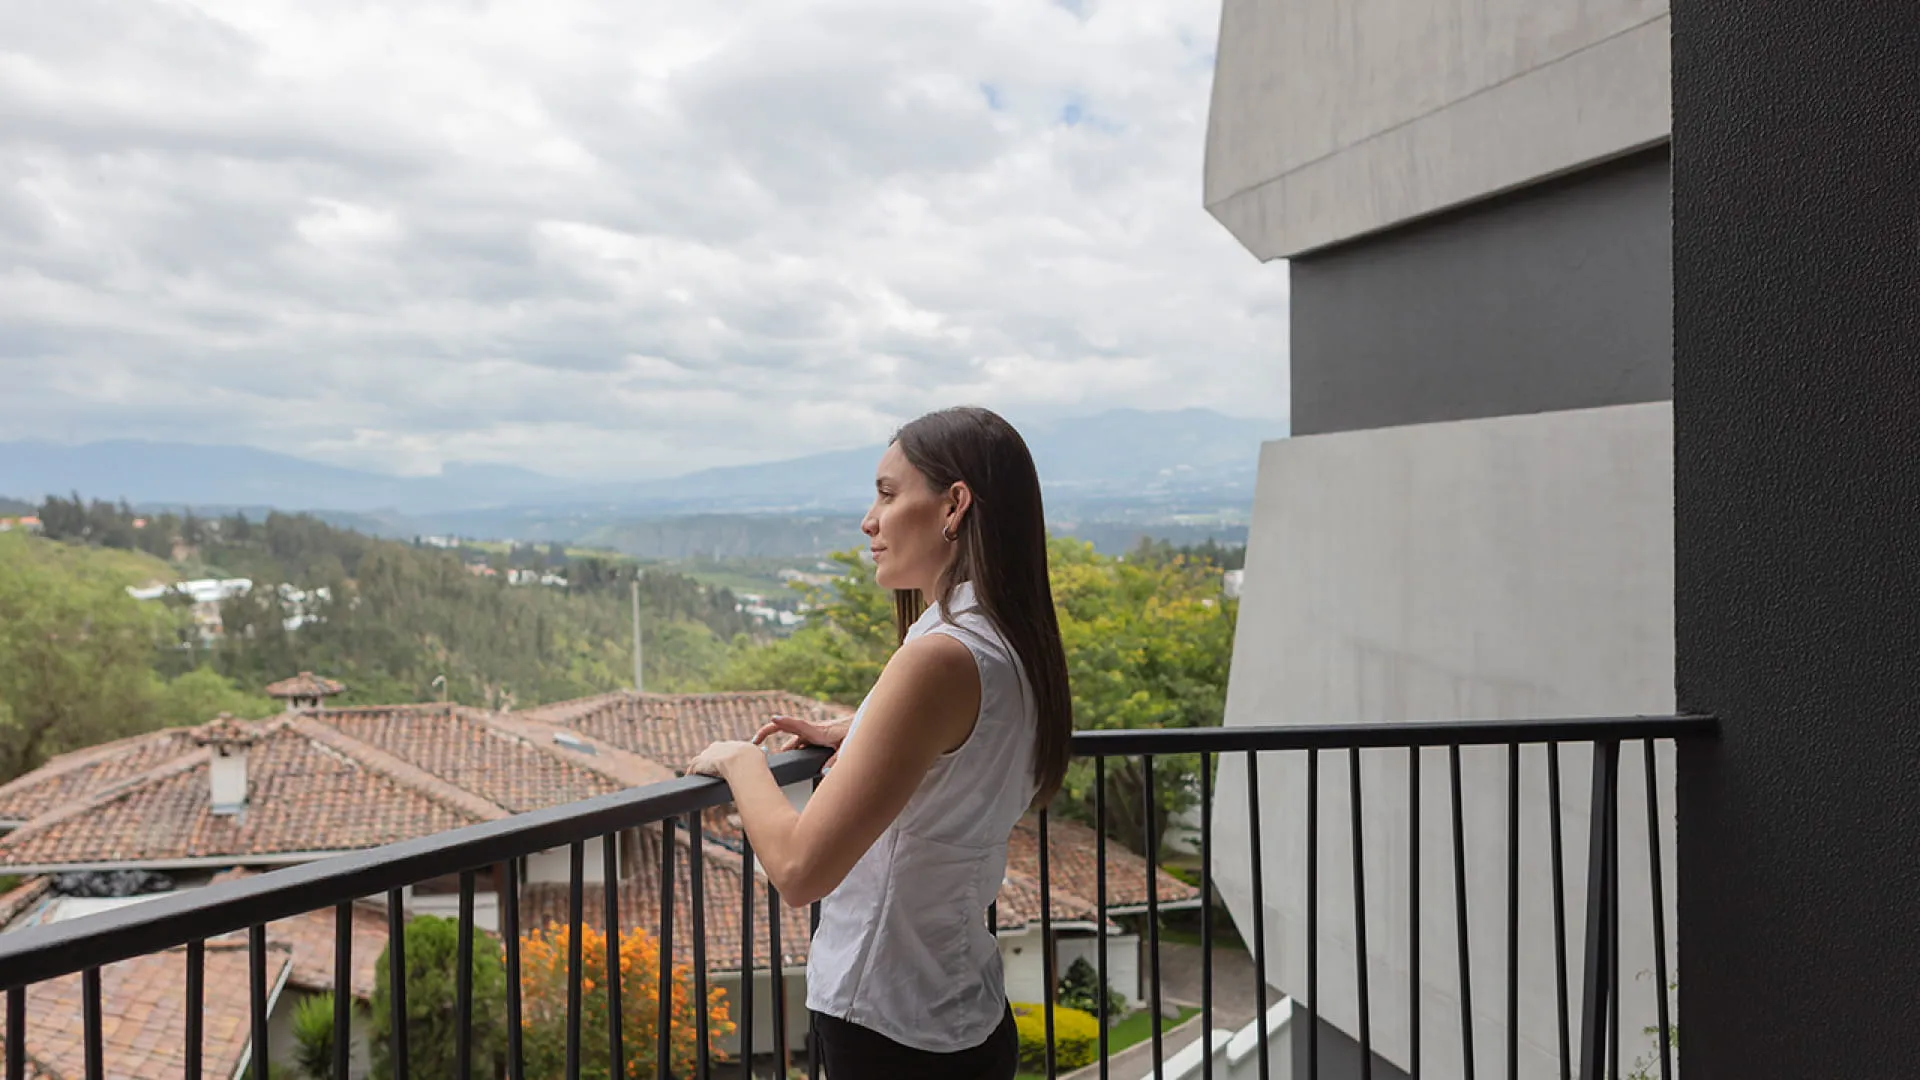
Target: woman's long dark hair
[(1002, 550)]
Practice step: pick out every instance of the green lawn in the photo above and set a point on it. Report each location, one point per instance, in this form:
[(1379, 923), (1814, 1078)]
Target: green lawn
[(1136, 1028)]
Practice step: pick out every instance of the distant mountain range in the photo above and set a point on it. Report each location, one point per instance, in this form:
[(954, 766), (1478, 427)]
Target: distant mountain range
[(1118, 466)]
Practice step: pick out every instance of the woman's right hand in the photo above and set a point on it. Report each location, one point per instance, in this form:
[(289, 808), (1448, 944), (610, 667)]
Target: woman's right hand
[(803, 732)]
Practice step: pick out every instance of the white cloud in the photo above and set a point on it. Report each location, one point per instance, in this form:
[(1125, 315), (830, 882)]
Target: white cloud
[(609, 240)]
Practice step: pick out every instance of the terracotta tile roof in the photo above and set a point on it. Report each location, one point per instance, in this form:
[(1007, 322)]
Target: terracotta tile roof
[(1073, 867), (87, 772), (22, 899), (463, 749), (310, 939), (224, 730), (546, 904), (143, 1015), (305, 685), (672, 728), (304, 795), (1072, 861)]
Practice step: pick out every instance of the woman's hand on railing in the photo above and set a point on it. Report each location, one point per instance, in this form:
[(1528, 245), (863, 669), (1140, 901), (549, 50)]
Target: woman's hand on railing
[(799, 732), (718, 757)]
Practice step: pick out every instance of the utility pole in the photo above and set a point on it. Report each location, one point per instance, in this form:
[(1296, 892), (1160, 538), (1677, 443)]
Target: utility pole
[(638, 685)]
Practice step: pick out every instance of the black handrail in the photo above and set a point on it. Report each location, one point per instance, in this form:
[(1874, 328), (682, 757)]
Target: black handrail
[(1377, 736), (38, 953)]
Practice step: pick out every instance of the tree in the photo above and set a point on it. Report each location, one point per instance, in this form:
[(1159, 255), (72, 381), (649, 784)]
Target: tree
[(198, 696), (1148, 646), (76, 655), (1080, 989), (837, 654), (313, 1036), (432, 945), (543, 996)]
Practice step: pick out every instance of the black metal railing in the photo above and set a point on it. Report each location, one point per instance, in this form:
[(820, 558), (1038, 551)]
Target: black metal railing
[(1601, 1052), (86, 945)]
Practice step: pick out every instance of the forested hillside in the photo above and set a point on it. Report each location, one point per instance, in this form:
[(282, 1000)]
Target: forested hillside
[(1148, 636)]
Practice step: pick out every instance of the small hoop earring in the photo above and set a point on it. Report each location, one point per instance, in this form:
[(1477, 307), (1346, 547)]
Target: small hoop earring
[(947, 531)]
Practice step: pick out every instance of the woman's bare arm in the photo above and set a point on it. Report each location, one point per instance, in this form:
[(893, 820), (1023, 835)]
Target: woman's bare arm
[(924, 705)]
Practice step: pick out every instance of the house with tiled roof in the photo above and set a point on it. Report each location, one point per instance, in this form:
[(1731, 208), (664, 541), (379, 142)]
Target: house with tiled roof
[(252, 795), (146, 1015)]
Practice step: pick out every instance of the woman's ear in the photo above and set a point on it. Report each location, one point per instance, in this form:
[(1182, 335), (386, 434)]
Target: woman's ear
[(959, 501)]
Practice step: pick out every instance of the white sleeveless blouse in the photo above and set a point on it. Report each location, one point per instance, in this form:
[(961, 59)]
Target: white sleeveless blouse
[(903, 947)]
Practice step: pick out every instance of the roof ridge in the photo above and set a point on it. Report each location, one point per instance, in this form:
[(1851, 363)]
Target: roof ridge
[(68, 811), (612, 762), (363, 710), (397, 770), (73, 760)]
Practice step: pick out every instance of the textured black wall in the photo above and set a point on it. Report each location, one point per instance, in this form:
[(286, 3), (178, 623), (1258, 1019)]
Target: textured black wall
[(1555, 297), (1796, 153)]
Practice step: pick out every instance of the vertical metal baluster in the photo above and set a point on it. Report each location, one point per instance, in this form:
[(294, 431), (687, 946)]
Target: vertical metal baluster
[(697, 902), (576, 889), (813, 1031), (1613, 927), (777, 968), (463, 983), (1463, 952), (342, 990), (1559, 910), (663, 1057), (17, 1031), (257, 992), (1659, 914), (397, 979), (1259, 911), (1313, 914), (1513, 911), (196, 1008), (96, 1064), (1360, 915), (1100, 897), (1413, 917), (610, 919), (1046, 947), (1206, 915), (748, 899), (1593, 1010), (1153, 907), (509, 876)]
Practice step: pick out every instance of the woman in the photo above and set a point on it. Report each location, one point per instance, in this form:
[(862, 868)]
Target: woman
[(905, 841)]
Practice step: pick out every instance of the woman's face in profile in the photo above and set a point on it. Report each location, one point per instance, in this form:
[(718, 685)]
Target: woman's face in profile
[(904, 525)]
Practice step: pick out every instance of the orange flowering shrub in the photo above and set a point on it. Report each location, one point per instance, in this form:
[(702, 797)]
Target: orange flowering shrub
[(543, 1003)]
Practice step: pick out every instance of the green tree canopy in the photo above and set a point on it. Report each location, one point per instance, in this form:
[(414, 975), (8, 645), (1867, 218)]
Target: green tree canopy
[(431, 945)]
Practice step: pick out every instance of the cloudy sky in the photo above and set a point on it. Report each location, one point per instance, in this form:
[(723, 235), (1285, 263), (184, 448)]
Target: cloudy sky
[(607, 238)]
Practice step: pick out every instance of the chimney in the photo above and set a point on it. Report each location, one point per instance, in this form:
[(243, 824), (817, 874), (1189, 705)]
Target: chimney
[(227, 741)]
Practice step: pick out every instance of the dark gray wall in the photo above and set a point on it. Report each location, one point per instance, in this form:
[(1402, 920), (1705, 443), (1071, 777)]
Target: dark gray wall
[(1797, 572), (1339, 1054), (1556, 297)]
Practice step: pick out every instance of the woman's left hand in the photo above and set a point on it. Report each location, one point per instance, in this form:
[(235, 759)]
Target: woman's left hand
[(716, 759)]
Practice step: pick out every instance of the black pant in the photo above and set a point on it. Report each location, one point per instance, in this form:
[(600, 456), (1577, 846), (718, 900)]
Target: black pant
[(852, 1052)]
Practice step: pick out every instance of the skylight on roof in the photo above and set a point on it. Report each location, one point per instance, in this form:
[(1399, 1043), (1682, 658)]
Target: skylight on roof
[(573, 742)]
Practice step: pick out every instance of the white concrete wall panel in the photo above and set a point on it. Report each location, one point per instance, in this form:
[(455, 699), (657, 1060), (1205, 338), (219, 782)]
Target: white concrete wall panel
[(1514, 567), (1332, 119)]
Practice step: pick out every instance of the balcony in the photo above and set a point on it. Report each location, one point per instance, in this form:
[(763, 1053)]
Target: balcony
[(1303, 1033)]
